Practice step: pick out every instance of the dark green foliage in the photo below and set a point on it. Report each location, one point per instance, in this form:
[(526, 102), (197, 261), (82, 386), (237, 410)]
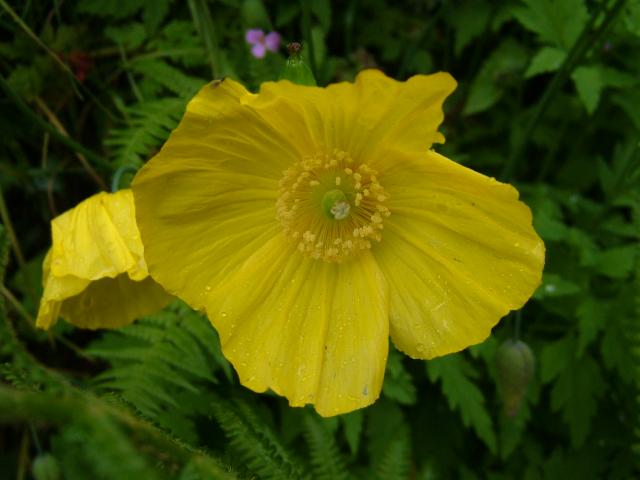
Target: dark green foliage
[(548, 98), (146, 127), (253, 441), (325, 456)]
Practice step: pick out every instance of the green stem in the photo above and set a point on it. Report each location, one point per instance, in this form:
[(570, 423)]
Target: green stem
[(47, 127), (204, 25), (6, 220), (516, 325), (117, 177), (308, 38), (580, 48)]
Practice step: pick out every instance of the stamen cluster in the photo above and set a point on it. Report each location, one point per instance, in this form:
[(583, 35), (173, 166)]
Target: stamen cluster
[(348, 223)]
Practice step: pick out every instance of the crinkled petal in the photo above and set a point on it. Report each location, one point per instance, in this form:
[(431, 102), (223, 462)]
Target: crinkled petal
[(114, 302), (105, 303), (360, 117), (95, 275), (207, 200), (459, 252), (98, 238), (312, 331)]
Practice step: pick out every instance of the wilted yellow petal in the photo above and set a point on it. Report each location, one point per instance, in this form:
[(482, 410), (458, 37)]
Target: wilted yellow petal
[(95, 275)]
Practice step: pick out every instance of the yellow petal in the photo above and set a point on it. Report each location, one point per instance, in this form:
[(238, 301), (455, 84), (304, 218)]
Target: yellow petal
[(114, 302), (95, 275), (358, 117), (312, 331), (207, 200), (458, 251), (98, 238)]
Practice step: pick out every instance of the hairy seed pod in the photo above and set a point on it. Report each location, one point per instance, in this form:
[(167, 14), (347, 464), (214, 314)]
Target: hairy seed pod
[(514, 365)]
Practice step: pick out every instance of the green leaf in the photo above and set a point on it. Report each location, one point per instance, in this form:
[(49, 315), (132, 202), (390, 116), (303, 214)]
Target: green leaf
[(557, 22), (555, 357), (111, 8), (616, 348), (591, 318), (469, 20), (254, 14), (554, 285), (326, 458), (547, 217), (455, 374), (352, 423), (322, 10), (398, 384), (148, 125), (395, 463), (589, 84), (575, 393), (155, 11), (389, 445), (578, 383), (548, 59), (251, 438), (488, 86), (173, 79), (617, 262), (129, 36)]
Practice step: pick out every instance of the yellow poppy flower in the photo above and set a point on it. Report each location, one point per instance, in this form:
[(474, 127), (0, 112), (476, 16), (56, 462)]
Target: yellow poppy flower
[(95, 275), (310, 223)]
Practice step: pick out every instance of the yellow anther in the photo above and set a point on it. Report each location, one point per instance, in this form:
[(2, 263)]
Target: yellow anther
[(327, 228)]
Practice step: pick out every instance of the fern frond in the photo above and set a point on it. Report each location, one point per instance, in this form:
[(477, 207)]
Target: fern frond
[(157, 357), (4, 256), (253, 441), (634, 331), (147, 126), (326, 458), (169, 77), (395, 462)]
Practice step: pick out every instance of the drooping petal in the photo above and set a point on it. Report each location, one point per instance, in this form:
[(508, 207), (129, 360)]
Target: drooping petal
[(312, 331), (362, 116), (459, 252), (94, 275), (207, 200), (114, 302), (98, 238)]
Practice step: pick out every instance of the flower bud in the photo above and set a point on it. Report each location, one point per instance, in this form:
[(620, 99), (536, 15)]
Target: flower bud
[(296, 69), (514, 366)]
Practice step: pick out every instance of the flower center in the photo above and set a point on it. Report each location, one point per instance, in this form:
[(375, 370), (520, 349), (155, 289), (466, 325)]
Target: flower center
[(331, 206)]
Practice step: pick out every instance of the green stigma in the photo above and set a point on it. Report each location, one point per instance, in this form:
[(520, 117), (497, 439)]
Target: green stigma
[(335, 205)]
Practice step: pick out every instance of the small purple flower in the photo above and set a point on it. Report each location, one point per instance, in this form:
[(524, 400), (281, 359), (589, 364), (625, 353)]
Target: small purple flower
[(260, 42)]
